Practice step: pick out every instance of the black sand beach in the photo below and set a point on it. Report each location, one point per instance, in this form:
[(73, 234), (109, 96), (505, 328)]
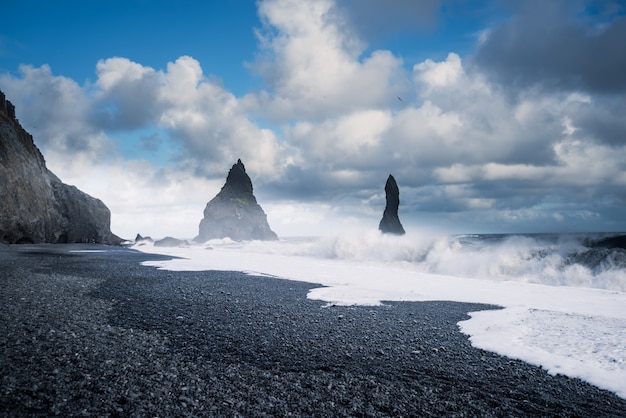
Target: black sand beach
[(97, 334)]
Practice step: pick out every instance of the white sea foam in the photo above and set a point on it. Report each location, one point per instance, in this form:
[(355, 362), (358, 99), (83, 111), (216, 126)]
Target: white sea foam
[(565, 305)]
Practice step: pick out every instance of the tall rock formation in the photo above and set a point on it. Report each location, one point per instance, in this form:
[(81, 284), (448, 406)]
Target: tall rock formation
[(35, 206), (390, 223), (234, 211)]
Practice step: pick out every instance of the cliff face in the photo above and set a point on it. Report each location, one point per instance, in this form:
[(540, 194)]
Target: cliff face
[(390, 223), (234, 211), (35, 205)]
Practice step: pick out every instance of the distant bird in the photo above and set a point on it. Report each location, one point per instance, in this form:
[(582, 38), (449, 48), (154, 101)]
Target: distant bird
[(400, 99)]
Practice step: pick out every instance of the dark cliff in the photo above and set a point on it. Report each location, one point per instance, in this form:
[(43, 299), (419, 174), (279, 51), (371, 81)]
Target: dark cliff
[(234, 211), (35, 205)]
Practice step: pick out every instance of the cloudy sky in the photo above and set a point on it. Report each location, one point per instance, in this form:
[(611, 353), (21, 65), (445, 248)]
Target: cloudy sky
[(493, 116)]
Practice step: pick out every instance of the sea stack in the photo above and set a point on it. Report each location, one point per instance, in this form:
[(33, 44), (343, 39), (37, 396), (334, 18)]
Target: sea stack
[(234, 212), (35, 205), (390, 223)]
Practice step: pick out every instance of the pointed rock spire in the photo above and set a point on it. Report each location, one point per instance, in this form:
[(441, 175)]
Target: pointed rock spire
[(237, 180), (234, 211), (390, 223)]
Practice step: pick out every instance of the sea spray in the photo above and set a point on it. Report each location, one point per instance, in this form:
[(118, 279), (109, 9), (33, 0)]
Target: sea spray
[(551, 259), (556, 260)]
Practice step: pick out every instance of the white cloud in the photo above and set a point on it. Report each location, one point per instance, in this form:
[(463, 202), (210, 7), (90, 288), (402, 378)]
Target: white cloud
[(462, 134), (461, 147), (584, 163), (426, 134), (440, 74), (206, 119), (117, 71), (314, 65), (457, 173), (356, 134), (55, 110)]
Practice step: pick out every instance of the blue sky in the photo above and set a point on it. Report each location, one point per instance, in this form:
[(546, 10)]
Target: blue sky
[(510, 117), (71, 36)]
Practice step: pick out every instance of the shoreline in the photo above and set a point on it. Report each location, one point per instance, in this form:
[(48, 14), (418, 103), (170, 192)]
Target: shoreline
[(96, 332)]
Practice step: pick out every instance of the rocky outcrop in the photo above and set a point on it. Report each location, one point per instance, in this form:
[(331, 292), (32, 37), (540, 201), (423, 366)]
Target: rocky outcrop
[(390, 223), (170, 242), (35, 205), (140, 241), (139, 238), (234, 211)]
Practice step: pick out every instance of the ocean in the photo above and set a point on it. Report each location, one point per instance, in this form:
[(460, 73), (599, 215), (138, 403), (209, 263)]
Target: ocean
[(563, 295)]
